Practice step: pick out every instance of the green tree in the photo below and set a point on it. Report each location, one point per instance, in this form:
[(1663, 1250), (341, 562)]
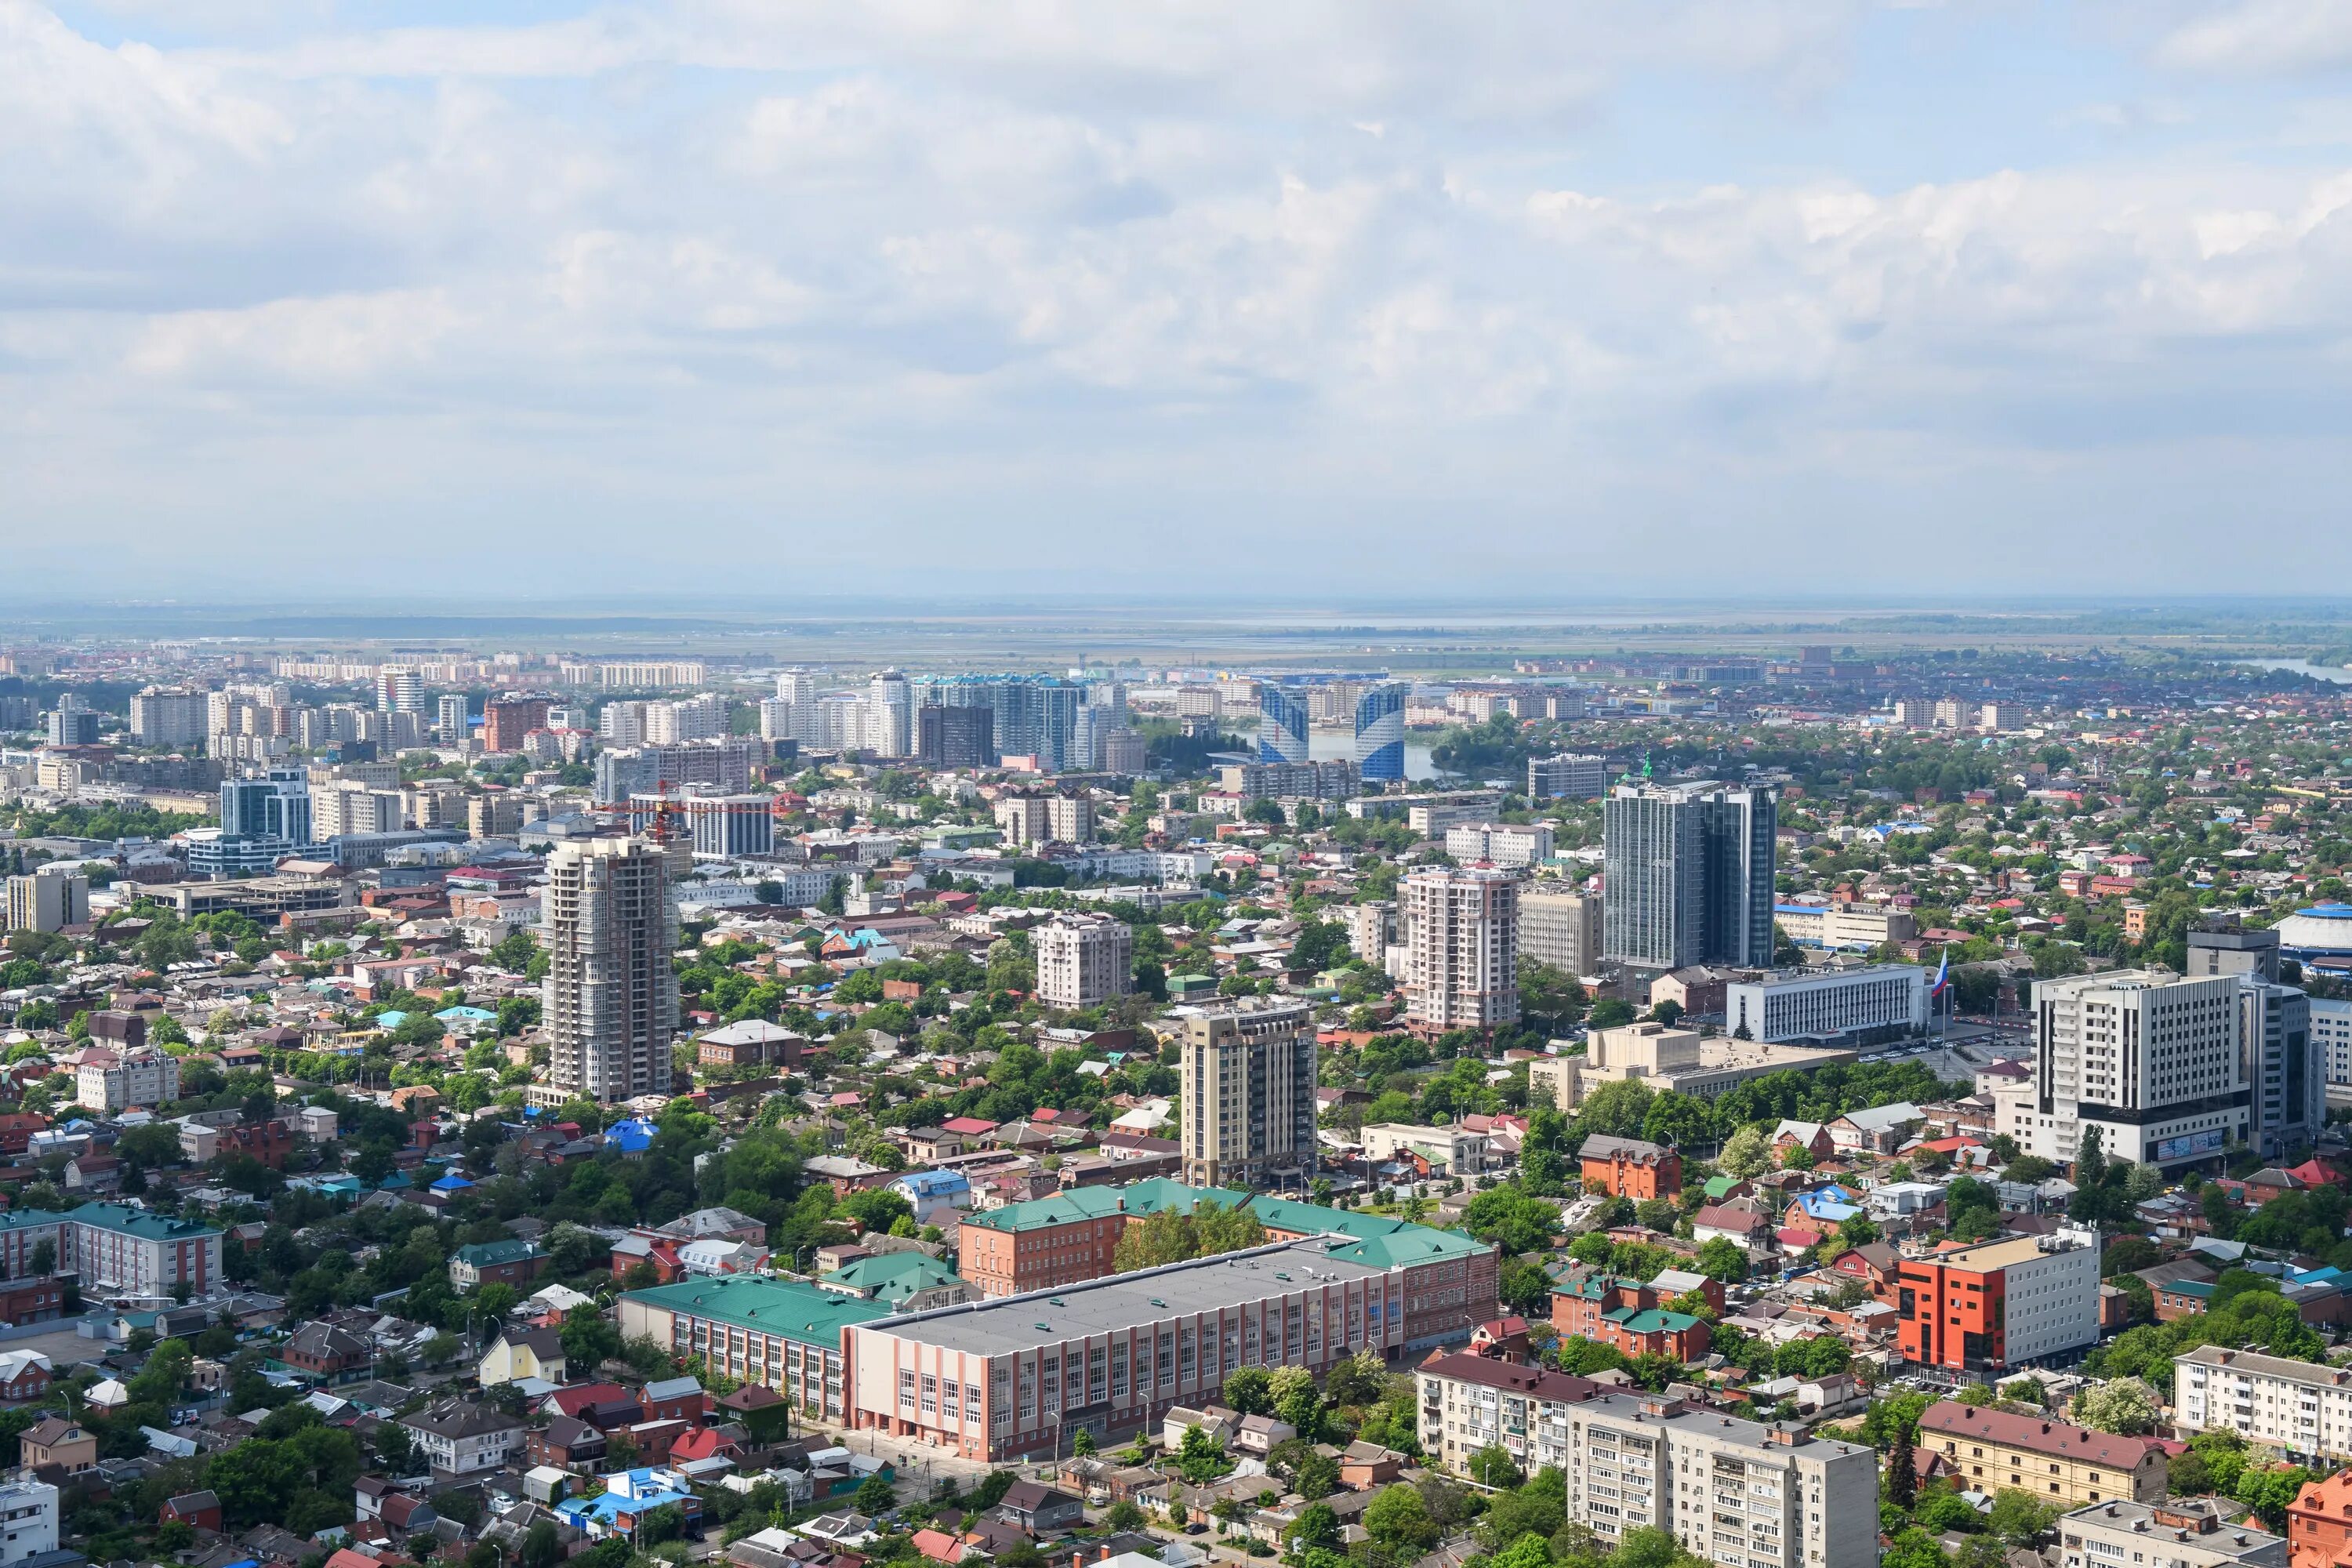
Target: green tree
[(1747, 1154), (877, 1496), (1493, 1467), (1248, 1391), (2124, 1406), (2018, 1517), (1399, 1521)]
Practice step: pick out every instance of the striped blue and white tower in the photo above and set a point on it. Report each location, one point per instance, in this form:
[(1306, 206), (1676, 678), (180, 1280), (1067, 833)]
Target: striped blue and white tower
[(1282, 723), (1380, 732)]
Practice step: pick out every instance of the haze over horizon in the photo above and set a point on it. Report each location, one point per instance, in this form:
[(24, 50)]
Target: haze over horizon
[(1766, 299)]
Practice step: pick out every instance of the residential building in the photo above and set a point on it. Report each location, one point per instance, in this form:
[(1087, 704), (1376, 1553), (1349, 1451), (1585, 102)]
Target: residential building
[(1380, 732), (519, 1353), (329, 1352), (48, 899), (1025, 820), (1570, 776), (2319, 1523), (2303, 1407), (2177, 1532), (459, 1437), (168, 716), (1556, 1081), (1068, 1237), (2286, 1080), (1371, 928), (1277, 780), (345, 807), (998, 1380), (1282, 722), (608, 927), (1990, 1451), (1513, 846), (749, 1042), (892, 705), (1248, 1095), (1625, 1314), (131, 1251), (2009, 1303), (1435, 816), (2002, 716), (727, 764), (67, 1444), (1843, 1006), (128, 1079), (955, 737), (1630, 1168), (1462, 948), (2233, 950), (776, 1333), (1561, 927), (2148, 1058), (1688, 875), (629, 1502), (1070, 819), (1031, 716), (1735, 1492), (2331, 1042), (73, 723), (511, 1262), (28, 1519), (1083, 961)]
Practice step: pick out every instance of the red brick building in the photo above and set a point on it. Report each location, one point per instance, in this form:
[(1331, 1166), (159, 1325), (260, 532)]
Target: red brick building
[(1629, 1168)]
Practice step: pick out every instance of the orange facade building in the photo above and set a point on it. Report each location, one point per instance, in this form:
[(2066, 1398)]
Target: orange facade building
[(1629, 1168)]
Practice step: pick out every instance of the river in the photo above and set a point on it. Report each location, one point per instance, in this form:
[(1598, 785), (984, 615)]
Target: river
[(2331, 672), (1332, 745)]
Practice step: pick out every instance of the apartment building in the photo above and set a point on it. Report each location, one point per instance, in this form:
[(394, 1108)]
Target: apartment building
[(1515, 846), (1992, 1450), (1005, 1379), (1025, 820), (1067, 1238), (2331, 1043), (1568, 776), (127, 1079), (1266, 780), (1883, 1000), (610, 996), (1372, 926), (2181, 1532), (1556, 1081), (1561, 927), (1689, 873), (1629, 1167), (1435, 816), (28, 1521), (1248, 1095), (2300, 1406), (2004, 1304), (1070, 819), (1083, 961), (118, 1248), (1462, 948), (47, 901), (1733, 1493), (782, 1335)]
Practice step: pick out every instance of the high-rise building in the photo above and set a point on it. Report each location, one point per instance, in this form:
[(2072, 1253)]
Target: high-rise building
[(1371, 927), (1033, 716), (73, 723), (507, 720), (2331, 1041), (1334, 780), (1248, 1105), (493, 814), (48, 899), (1070, 819), (796, 686), (726, 766), (449, 718), (1571, 775), (1561, 927), (611, 997), (2150, 1059), (1380, 732), (1083, 961), (2231, 950), (1513, 846), (399, 689), (274, 805), (1282, 723), (345, 807), (892, 719), (1462, 948), (2003, 716), (1024, 818), (2286, 1080), (1124, 753), (1688, 875), (169, 716), (720, 826), (955, 737)]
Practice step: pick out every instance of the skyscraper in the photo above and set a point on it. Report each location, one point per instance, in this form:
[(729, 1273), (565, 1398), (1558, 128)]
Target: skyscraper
[(955, 737), (167, 716), (399, 689), (508, 718), (2286, 1079), (277, 805), (1032, 715), (1282, 724), (2150, 1059), (74, 722), (1461, 932), (611, 997), (1083, 961), (450, 716), (891, 718), (1248, 1096), (1380, 732), (1688, 875)]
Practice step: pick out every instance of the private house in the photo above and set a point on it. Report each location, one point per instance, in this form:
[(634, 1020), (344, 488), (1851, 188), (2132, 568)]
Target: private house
[(519, 1354), (1630, 1168), (515, 1263)]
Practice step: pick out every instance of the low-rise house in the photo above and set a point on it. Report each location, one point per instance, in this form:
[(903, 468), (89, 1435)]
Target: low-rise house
[(1992, 1450), (519, 1354), (512, 1263), (198, 1510), (459, 1437), (24, 1374), (568, 1444), (327, 1352), (629, 1499), (53, 1441), (1041, 1509)]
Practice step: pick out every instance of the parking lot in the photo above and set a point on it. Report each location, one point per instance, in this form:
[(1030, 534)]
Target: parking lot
[(63, 1346)]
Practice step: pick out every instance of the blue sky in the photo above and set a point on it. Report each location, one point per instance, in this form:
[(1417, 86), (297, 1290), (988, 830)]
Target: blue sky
[(1725, 296)]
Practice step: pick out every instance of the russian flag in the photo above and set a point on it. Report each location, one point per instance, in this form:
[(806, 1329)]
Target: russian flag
[(1943, 975)]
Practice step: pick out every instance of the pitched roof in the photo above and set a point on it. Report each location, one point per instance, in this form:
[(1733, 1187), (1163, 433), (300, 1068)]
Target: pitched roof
[(1603, 1147), (787, 1310), (2034, 1435)]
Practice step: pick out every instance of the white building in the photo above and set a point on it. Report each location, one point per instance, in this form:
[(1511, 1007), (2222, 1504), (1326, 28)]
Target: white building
[(1795, 1004), (2149, 1058), (126, 1081), (169, 716), (460, 1437), (2300, 1406), (1561, 927), (2331, 1043), (1733, 1493), (1462, 948), (28, 1519), (2178, 1533), (48, 899), (131, 1251), (1568, 776), (1083, 960), (1513, 846), (611, 996), (1859, 926), (1070, 819)]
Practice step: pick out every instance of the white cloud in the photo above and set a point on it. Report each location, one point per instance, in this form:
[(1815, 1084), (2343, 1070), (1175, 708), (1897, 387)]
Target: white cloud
[(2264, 37)]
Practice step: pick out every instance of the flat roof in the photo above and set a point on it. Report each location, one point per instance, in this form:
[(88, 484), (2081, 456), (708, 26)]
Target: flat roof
[(1117, 1304)]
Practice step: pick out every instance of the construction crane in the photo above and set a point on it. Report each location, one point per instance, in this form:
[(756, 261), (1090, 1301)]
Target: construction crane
[(668, 817)]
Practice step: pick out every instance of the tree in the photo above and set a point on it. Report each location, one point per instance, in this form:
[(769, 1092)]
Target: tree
[(45, 1258), (1399, 1521), (1082, 1443), (1902, 1469), (1720, 1258), (1747, 1154), (877, 1496), (1248, 1390), (1317, 1529), (1617, 1109), (1124, 1515), (1493, 1467), (588, 1340), (1163, 1237), (2018, 1517), (2268, 1491), (2124, 1406), (1539, 1507), (1317, 1477)]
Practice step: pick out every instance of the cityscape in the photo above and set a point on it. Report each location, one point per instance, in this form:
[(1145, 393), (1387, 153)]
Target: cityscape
[(1214, 785)]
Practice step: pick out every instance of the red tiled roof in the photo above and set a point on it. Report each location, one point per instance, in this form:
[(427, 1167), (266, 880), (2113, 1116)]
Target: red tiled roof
[(2035, 1435)]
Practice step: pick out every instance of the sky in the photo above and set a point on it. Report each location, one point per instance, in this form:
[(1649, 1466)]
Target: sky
[(430, 299)]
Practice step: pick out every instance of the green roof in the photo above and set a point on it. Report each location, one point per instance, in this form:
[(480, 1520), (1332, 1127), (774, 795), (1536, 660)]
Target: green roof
[(1651, 1321), (28, 1219), (135, 1222), (490, 1254), (779, 1307), (892, 1277), (1097, 1203), (1380, 1242), (1718, 1185)]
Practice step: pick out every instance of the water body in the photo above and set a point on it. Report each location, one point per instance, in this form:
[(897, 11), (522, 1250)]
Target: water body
[(2332, 672), (1335, 745)]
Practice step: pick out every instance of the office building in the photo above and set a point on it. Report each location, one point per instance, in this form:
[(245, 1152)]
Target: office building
[(507, 720), (399, 689), (1031, 716), (2002, 716), (1335, 780), (73, 723), (1687, 875), (48, 899), (1282, 723), (1462, 948), (1125, 752), (955, 737), (778, 1334), (1851, 927), (2286, 1080), (345, 808), (720, 826), (1980, 1310), (890, 701), (28, 1521), (1844, 1006), (1561, 927), (610, 1000), (1571, 775), (1435, 816), (169, 716), (2148, 1058), (1740, 1493), (1992, 1450), (1083, 961), (1556, 1081), (135, 1079), (1515, 846), (2331, 1043), (274, 807), (1380, 732), (2303, 1407), (1247, 1077), (999, 1381), (2232, 949)]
